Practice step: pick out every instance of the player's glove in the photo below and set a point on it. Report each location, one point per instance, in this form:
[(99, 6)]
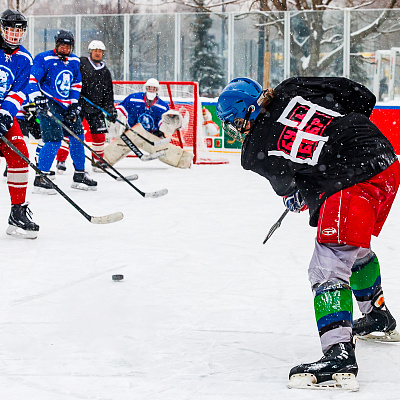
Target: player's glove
[(6, 122), (73, 112), (30, 112), (42, 104), (295, 202), (113, 116)]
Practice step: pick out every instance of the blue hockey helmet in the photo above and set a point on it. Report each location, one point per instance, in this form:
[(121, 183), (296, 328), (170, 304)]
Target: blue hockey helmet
[(237, 105)]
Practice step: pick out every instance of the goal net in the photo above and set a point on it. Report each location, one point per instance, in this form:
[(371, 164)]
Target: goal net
[(183, 97)]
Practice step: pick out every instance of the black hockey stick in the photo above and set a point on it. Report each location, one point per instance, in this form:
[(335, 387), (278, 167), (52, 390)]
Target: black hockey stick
[(105, 219), (97, 165), (158, 193), (138, 153), (276, 225), (158, 143)]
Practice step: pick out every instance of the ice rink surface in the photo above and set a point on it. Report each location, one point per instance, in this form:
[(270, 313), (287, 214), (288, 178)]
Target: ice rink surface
[(205, 311)]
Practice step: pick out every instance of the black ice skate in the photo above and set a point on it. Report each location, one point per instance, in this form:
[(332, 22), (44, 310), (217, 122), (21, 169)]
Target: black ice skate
[(98, 166), (20, 223), (42, 186), (379, 325), (60, 167), (337, 369), (82, 181)]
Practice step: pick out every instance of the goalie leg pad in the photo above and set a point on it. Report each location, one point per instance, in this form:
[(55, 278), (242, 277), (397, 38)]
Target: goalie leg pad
[(115, 151), (175, 156)]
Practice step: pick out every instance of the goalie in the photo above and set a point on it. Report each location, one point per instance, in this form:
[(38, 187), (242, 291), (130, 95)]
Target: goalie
[(148, 119)]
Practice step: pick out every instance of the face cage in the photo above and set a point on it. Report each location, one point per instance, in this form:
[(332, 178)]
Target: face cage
[(9, 33), (233, 132)]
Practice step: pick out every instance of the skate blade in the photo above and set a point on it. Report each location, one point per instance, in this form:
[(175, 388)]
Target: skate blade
[(341, 381), (82, 186), (20, 233), (40, 190), (97, 169), (391, 336)]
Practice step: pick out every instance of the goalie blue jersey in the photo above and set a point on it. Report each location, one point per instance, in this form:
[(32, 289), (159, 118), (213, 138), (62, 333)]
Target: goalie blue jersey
[(135, 109), (14, 77), (57, 80)]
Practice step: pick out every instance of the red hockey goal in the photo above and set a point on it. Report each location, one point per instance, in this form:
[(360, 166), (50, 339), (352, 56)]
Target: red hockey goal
[(183, 97)]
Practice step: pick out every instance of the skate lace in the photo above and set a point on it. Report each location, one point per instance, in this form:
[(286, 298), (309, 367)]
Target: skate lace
[(28, 212)]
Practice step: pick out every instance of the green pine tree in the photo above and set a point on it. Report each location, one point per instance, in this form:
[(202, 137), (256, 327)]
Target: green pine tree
[(205, 61)]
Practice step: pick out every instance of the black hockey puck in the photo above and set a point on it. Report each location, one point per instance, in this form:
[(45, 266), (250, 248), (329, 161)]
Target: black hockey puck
[(117, 277)]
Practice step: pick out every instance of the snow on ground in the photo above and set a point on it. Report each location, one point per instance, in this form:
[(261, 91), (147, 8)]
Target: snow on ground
[(205, 312)]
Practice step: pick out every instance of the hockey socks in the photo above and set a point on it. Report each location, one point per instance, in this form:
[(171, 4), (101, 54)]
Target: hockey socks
[(377, 322), (333, 305), (365, 280)]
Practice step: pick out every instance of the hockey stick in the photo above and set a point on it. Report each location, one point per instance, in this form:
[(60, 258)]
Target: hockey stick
[(158, 193), (105, 219), (276, 225), (158, 143), (117, 178), (138, 153)]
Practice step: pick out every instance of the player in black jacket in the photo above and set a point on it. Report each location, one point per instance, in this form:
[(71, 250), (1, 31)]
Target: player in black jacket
[(313, 140), (97, 86)]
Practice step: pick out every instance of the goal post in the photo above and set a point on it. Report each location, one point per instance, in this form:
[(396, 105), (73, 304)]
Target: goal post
[(184, 97)]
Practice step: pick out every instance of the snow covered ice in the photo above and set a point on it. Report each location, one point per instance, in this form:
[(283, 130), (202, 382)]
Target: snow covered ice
[(205, 311)]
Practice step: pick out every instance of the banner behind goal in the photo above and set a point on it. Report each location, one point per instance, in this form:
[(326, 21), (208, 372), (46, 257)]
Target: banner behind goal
[(183, 97)]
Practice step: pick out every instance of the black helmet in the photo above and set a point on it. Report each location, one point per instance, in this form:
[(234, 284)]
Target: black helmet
[(64, 37), (12, 19)]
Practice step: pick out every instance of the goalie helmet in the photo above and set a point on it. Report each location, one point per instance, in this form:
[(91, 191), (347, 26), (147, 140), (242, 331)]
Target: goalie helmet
[(13, 27), (237, 104), (154, 83), (96, 45)]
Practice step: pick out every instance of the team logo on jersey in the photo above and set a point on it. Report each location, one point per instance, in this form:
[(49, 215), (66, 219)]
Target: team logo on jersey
[(6, 80), (147, 122), (302, 139), (63, 83)]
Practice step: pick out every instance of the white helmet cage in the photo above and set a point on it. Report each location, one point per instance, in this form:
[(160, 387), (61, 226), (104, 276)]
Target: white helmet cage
[(96, 45), (151, 82)]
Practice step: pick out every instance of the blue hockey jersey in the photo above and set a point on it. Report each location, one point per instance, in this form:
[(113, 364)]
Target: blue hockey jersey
[(135, 109), (59, 81), (14, 77)]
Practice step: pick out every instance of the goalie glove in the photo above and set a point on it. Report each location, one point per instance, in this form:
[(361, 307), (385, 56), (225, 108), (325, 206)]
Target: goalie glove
[(295, 202), (171, 121)]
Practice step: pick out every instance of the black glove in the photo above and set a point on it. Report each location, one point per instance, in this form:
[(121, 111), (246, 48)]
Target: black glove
[(30, 112), (42, 104), (5, 124), (113, 116), (73, 112)]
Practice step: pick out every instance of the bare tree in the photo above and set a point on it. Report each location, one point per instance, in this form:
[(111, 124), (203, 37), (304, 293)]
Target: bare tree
[(22, 5)]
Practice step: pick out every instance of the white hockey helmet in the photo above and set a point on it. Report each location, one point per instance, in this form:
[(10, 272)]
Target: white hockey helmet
[(96, 45), (154, 83)]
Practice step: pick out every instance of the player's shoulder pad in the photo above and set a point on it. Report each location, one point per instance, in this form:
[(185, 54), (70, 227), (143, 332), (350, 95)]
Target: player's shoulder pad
[(74, 57), (22, 51)]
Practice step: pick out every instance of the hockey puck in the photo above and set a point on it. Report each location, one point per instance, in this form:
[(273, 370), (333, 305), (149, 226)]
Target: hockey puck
[(117, 277)]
